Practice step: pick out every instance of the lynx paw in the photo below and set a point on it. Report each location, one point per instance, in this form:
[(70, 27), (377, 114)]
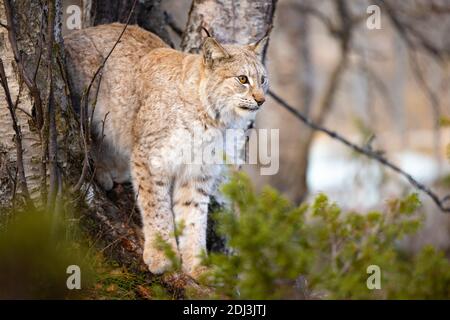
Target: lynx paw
[(157, 261)]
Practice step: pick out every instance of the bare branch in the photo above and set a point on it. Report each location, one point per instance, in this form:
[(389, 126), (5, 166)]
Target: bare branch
[(409, 34), (17, 57), (18, 136), (344, 31), (366, 150), (51, 134), (308, 9)]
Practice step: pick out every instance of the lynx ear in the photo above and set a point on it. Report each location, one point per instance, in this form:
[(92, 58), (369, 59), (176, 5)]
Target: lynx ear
[(213, 51), (258, 46)]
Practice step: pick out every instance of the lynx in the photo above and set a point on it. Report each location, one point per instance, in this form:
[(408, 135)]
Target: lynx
[(151, 99)]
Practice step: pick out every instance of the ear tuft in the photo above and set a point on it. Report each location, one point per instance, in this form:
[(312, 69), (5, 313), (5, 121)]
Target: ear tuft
[(258, 46), (213, 51)]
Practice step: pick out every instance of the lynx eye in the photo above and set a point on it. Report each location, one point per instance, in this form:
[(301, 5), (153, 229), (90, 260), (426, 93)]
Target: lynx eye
[(243, 79)]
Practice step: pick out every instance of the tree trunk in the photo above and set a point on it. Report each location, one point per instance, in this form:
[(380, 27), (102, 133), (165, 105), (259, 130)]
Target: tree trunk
[(241, 22), (25, 54), (30, 139), (147, 14)]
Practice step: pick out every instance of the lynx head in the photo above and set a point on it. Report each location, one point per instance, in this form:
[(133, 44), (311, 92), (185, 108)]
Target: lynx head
[(235, 80)]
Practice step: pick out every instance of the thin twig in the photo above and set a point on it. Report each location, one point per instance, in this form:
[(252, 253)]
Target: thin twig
[(17, 107), (17, 57), (409, 33), (85, 101), (18, 136), (51, 134), (366, 150), (14, 190), (19, 93), (91, 180), (67, 87)]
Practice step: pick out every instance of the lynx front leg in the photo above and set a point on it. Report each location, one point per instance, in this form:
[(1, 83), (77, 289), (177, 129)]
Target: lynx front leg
[(191, 199), (153, 196)]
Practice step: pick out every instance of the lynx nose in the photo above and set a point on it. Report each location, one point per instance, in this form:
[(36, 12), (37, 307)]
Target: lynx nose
[(259, 100)]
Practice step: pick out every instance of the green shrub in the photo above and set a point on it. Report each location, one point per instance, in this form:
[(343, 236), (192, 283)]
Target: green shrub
[(316, 251)]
